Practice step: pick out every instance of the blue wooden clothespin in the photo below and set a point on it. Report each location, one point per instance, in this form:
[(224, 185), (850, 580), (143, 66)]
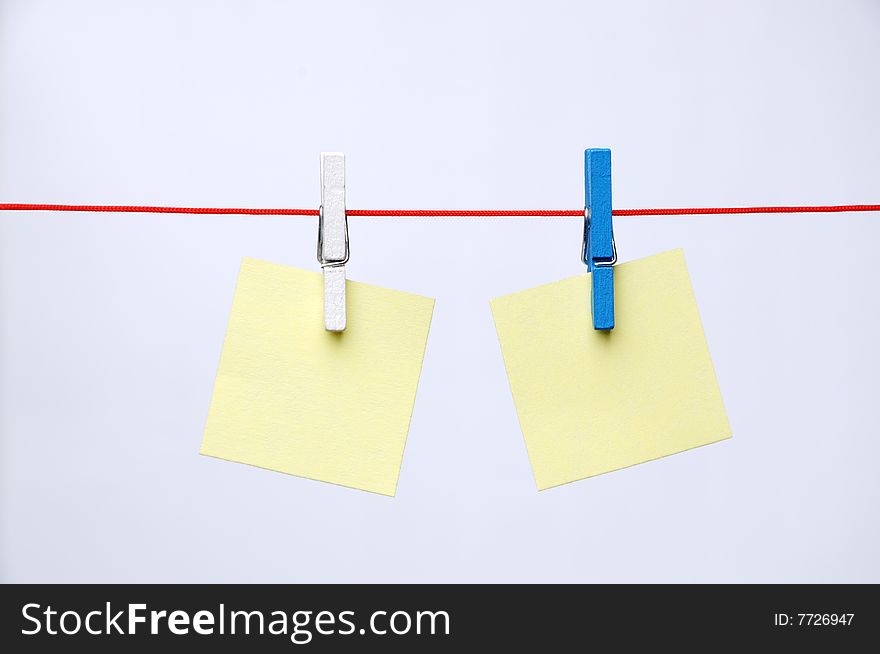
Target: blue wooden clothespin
[(600, 253)]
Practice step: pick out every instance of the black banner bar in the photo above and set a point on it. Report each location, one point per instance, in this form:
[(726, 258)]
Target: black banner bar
[(432, 617)]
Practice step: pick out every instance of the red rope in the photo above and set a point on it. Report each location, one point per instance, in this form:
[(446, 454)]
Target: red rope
[(466, 213), (115, 208), (828, 208), (441, 213)]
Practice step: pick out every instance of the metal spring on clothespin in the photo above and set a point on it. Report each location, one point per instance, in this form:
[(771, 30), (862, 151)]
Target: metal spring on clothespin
[(333, 239)]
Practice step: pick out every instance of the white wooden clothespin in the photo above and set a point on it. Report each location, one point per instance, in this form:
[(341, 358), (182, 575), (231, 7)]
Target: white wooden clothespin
[(333, 239)]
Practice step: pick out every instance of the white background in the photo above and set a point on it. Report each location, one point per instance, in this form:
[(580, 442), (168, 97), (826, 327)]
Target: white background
[(111, 325)]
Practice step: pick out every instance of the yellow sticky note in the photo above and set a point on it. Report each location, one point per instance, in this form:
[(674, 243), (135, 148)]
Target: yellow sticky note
[(293, 397), (590, 402)]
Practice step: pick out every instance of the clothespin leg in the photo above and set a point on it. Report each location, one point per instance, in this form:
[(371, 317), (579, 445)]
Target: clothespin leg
[(603, 297), (334, 298)]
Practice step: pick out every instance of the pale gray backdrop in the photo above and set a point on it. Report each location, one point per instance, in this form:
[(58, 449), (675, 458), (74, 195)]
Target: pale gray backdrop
[(111, 325)]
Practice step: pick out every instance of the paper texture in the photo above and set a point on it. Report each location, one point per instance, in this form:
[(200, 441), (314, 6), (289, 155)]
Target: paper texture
[(293, 397), (590, 402)]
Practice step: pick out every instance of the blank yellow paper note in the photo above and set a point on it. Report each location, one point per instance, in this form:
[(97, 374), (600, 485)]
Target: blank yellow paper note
[(295, 398), (590, 402)]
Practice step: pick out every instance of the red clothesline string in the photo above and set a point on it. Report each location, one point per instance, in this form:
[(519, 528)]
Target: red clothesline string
[(441, 213)]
